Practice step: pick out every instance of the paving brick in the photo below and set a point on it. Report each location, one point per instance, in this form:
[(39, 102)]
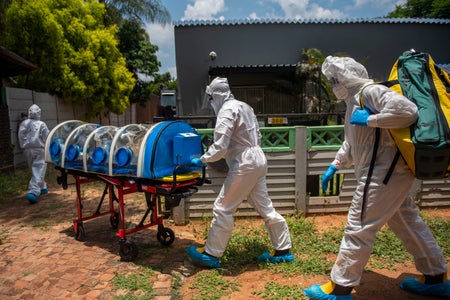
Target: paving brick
[(51, 264)]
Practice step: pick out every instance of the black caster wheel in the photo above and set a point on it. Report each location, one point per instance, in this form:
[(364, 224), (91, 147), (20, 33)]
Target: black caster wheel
[(128, 250), (80, 233), (165, 236), (114, 220)]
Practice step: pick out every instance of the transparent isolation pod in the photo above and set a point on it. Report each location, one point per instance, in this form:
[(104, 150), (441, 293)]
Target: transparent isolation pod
[(157, 151), (98, 149), (76, 145), (125, 148), (56, 140)]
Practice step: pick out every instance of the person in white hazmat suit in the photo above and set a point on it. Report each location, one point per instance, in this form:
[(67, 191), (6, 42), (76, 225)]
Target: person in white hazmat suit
[(32, 135), (384, 203), (237, 139)]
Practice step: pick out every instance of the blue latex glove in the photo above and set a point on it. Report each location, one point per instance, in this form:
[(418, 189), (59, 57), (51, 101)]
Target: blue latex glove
[(360, 117), (326, 177), (196, 161)]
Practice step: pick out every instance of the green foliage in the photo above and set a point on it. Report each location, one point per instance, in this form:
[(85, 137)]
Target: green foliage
[(140, 54), (212, 286), (13, 183), (164, 81), (441, 230), (77, 56), (244, 247), (422, 9), (387, 250), (275, 291), (135, 42), (142, 10), (136, 285)]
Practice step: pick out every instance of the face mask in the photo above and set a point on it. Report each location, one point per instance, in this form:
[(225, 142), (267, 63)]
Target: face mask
[(215, 105), (340, 92)]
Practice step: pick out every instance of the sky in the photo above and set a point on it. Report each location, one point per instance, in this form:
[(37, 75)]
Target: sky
[(184, 10)]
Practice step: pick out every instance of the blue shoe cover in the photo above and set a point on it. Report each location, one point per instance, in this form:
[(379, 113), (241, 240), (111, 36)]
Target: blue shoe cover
[(438, 290), (32, 198), (314, 292), (202, 258), (268, 257), (44, 191)]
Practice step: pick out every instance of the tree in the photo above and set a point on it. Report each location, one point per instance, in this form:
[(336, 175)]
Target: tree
[(140, 56), (3, 5), (77, 56), (138, 51), (135, 44), (162, 82), (142, 10), (439, 9)]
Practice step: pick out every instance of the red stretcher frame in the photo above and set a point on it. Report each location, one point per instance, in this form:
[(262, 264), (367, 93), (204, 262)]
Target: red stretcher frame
[(153, 189)]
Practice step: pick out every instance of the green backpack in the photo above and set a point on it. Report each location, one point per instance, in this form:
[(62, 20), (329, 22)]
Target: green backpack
[(425, 145)]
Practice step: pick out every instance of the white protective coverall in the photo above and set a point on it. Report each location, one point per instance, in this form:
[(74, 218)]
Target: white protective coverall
[(237, 139), (32, 135), (390, 203)]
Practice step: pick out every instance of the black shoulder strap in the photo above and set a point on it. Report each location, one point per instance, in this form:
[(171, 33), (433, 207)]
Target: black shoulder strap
[(392, 167), (369, 174), (389, 83)]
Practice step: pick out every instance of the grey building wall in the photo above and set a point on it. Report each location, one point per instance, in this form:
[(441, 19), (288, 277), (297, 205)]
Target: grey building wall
[(375, 42)]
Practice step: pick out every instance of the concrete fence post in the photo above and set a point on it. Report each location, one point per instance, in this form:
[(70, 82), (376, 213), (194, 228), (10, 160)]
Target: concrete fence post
[(301, 168)]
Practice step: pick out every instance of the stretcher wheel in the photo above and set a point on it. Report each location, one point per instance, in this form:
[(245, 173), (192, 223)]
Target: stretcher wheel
[(128, 250), (114, 220), (80, 233), (165, 236)]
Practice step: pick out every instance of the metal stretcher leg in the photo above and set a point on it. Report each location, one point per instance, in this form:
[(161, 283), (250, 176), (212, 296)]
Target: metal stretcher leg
[(128, 250), (78, 225)]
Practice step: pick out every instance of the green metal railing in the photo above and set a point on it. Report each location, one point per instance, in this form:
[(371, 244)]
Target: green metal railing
[(325, 137), (279, 139)]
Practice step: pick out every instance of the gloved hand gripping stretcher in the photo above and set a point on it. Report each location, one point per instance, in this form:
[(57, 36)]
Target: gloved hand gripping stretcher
[(159, 160)]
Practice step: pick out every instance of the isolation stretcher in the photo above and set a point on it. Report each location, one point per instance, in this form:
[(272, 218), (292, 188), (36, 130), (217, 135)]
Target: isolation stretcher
[(150, 159)]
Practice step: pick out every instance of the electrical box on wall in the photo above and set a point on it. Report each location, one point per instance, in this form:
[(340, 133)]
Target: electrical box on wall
[(168, 98)]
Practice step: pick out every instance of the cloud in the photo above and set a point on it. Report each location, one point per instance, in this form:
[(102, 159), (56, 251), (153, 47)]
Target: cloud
[(160, 35), (253, 16), (295, 9), (366, 5), (388, 3), (204, 10), (163, 37)]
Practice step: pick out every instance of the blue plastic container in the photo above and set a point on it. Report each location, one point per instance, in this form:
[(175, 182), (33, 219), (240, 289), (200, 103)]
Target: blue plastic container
[(168, 150)]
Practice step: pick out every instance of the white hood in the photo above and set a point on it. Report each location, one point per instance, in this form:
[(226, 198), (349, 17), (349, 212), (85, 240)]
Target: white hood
[(218, 91)]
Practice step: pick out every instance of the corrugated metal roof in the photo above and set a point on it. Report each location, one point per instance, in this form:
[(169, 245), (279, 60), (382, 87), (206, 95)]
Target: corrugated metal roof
[(309, 21), (276, 67), (257, 66), (217, 70)]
